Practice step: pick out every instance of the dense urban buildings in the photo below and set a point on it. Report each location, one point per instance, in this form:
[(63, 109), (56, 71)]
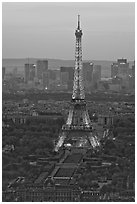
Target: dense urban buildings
[(122, 78), (29, 138)]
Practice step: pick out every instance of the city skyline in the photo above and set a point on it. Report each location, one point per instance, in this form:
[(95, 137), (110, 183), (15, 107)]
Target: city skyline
[(49, 31), (68, 135)]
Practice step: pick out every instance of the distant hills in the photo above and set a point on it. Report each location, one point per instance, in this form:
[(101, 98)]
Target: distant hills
[(11, 63)]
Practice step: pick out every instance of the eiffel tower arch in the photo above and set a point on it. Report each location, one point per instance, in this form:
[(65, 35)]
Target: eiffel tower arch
[(78, 131)]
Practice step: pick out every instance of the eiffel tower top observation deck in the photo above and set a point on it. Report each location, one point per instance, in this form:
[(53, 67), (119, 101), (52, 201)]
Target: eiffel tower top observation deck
[(78, 86)]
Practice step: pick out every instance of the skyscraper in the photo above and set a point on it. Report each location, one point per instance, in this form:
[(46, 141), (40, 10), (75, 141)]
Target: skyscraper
[(132, 78), (15, 71), (66, 77), (26, 77), (96, 77), (29, 72), (123, 67), (45, 79), (133, 70), (120, 68), (3, 72), (114, 70), (87, 75), (42, 66), (54, 79)]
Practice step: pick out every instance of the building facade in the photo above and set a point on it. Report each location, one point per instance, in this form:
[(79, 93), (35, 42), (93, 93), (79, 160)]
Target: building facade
[(29, 72), (42, 67), (66, 77), (120, 68), (96, 76), (88, 75), (3, 72)]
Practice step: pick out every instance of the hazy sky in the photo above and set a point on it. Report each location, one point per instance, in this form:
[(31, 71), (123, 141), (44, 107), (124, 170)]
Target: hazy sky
[(46, 30)]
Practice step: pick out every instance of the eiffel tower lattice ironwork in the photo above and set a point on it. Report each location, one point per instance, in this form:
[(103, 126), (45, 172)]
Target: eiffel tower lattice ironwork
[(78, 132)]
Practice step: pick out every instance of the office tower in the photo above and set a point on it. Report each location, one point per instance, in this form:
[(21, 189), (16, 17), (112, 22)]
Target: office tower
[(77, 132), (52, 74), (50, 79), (3, 72), (97, 72), (133, 70), (15, 71), (29, 72), (87, 75), (54, 79), (123, 67), (26, 77), (114, 70), (42, 66), (132, 77), (46, 79), (32, 72), (66, 77), (120, 68), (96, 77)]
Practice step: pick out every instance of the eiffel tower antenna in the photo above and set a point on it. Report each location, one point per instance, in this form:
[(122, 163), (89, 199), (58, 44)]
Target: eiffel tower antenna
[(78, 22), (78, 86)]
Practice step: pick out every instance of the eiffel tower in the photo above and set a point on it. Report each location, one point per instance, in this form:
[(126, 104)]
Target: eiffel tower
[(78, 130)]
